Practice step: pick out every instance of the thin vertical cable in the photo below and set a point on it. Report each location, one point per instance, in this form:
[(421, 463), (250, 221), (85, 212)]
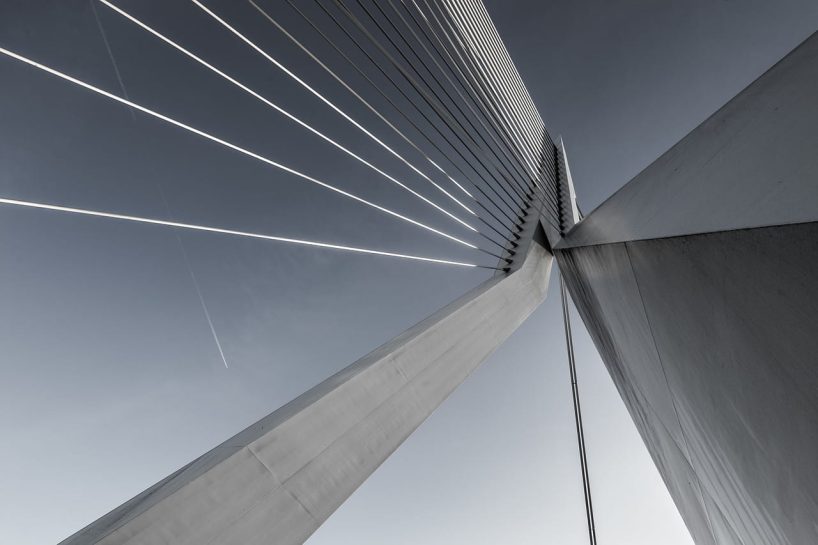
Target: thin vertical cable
[(586, 481)]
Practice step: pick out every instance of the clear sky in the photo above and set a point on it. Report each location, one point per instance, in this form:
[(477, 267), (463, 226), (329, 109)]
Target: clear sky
[(111, 377)]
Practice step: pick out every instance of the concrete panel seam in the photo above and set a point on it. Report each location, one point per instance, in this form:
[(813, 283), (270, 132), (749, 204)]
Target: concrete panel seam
[(670, 389)]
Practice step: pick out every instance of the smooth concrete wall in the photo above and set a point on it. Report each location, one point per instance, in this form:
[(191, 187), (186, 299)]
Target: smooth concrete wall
[(712, 341), (697, 283), (752, 163), (279, 479)]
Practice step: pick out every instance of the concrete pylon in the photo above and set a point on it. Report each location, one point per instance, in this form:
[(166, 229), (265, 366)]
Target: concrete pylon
[(279, 479), (697, 282)]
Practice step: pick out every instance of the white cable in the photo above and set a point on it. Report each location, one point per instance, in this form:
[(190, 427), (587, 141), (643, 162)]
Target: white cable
[(363, 101), (509, 61), (486, 64), (279, 109), (450, 78), (321, 97), (496, 117), (454, 34), (227, 144), (137, 219), (507, 65)]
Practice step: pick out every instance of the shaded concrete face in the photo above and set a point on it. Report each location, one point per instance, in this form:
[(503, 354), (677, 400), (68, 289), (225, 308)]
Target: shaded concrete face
[(752, 163), (711, 340), (697, 283), (278, 480)]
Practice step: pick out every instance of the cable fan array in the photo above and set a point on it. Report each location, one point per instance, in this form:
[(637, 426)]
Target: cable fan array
[(467, 125)]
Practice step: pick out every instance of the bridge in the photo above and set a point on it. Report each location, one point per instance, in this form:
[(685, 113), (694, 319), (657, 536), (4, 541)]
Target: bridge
[(695, 280)]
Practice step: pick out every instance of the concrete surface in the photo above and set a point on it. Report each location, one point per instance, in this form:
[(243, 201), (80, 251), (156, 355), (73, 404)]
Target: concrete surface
[(697, 282), (278, 480), (712, 341), (752, 163)]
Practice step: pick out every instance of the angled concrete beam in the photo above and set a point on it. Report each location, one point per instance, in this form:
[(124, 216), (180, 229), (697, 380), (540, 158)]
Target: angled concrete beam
[(697, 283), (279, 479)]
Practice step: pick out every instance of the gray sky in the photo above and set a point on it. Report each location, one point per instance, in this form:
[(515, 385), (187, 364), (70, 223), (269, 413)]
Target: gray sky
[(111, 379)]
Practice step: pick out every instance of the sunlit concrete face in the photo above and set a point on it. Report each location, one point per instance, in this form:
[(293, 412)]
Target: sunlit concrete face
[(751, 164), (278, 480), (697, 284)]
